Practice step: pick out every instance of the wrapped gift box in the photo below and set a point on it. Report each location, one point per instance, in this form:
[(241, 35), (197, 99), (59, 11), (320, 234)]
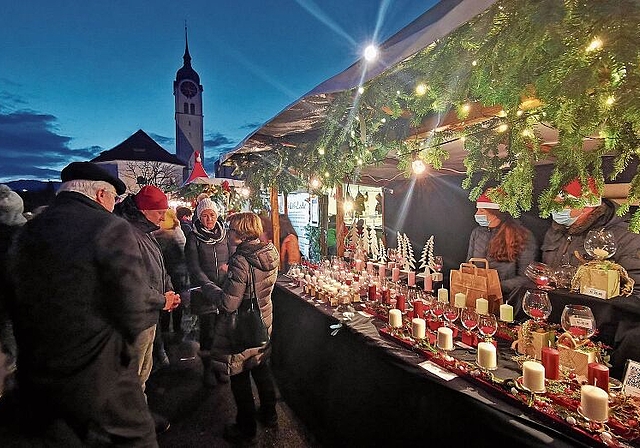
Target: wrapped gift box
[(540, 338), (576, 359), (470, 338), (600, 282)]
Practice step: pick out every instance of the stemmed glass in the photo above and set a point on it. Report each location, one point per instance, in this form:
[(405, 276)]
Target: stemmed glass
[(487, 325), (600, 244), (541, 275), (437, 309), (437, 263), (536, 304), (450, 314), (578, 320), (469, 319)]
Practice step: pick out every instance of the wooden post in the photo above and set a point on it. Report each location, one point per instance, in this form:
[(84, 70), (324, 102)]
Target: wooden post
[(339, 220), (323, 212), (275, 217)]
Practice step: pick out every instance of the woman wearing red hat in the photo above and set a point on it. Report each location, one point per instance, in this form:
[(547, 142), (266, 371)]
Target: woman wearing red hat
[(508, 246)]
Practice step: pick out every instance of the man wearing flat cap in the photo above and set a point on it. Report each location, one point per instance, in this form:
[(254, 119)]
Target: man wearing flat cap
[(81, 300)]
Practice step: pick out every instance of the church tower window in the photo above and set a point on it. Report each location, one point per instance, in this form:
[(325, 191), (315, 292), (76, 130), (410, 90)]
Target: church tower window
[(193, 109)]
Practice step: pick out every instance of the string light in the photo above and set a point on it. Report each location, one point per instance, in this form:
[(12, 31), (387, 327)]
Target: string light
[(371, 53), (594, 45), (418, 166), (421, 89)]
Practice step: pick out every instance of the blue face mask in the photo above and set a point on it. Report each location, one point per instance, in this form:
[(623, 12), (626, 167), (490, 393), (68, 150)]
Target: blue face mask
[(482, 220), (563, 217)]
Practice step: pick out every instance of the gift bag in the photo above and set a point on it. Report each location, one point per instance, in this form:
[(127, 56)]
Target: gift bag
[(476, 282)]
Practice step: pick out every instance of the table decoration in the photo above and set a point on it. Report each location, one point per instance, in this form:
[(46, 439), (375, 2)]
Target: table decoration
[(598, 375), (506, 313), (418, 328), (443, 295), (486, 356), (576, 349), (533, 376), (482, 306), (551, 362), (533, 336), (460, 300), (395, 318), (594, 403), (445, 338)]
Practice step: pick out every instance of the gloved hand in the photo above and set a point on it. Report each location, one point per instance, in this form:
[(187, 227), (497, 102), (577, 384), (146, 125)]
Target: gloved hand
[(212, 292)]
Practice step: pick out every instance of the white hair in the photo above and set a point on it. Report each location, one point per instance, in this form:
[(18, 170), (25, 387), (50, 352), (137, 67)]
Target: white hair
[(89, 188)]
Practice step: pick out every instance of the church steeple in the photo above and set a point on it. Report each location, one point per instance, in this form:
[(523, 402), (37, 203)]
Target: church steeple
[(188, 111)]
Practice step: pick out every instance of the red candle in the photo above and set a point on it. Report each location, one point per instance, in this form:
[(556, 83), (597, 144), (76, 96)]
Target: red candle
[(386, 295), (598, 375), (418, 308), (551, 363), (411, 278), (428, 281), (401, 302), (372, 292), (395, 274)]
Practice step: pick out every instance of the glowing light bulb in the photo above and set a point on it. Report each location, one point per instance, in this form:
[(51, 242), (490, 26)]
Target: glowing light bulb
[(371, 52), (421, 89), (465, 108), (594, 45), (610, 100), (360, 90), (348, 206), (418, 166), (502, 128), (321, 151), (315, 183)]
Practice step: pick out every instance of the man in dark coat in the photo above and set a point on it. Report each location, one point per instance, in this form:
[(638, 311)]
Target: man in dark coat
[(144, 211), (81, 300)]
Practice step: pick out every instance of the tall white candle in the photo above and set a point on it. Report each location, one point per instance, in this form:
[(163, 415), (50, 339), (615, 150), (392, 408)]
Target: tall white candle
[(395, 274), (418, 328), (460, 300), (395, 318), (443, 295), (482, 306), (533, 376), (594, 403), (487, 357), (445, 338), (506, 313), (411, 278)]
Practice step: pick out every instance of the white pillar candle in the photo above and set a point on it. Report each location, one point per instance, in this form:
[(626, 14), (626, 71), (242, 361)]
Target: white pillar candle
[(533, 376), (382, 272), (594, 403), (395, 318), (445, 338), (460, 300), (482, 306), (487, 357), (418, 328), (443, 295), (411, 278), (506, 313)]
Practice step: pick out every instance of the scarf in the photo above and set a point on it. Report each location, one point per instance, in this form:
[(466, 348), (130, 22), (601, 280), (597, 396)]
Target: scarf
[(213, 236)]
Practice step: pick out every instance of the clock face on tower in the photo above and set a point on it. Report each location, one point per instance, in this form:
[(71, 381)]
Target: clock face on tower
[(188, 89)]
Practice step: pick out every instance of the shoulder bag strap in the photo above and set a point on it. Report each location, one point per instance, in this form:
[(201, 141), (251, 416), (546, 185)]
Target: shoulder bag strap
[(253, 296)]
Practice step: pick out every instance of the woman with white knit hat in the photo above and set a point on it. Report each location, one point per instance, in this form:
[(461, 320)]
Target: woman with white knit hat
[(207, 253)]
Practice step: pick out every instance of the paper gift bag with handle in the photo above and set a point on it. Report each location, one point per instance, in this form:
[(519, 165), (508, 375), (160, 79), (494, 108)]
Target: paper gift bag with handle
[(475, 282)]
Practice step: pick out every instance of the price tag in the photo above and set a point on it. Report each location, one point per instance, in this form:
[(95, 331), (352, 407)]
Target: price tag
[(593, 292), (580, 322)]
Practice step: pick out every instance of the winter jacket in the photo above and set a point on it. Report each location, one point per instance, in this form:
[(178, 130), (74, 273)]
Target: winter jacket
[(172, 243), (561, 242), (81, 298), (205, 259), (511, 273), (264, 259), (157, 277)]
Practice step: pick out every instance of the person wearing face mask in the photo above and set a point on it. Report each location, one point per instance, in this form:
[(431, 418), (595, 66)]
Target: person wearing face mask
[(508, 246), (564, 240)]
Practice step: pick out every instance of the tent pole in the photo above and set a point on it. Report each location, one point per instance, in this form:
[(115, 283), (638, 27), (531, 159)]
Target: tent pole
[(339, 220), (275, 217)]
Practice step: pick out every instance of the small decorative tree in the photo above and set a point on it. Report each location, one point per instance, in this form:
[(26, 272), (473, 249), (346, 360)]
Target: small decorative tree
[(410, 260)]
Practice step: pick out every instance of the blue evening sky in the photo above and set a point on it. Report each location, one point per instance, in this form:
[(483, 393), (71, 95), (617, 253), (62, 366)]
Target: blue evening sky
[(77, 78)]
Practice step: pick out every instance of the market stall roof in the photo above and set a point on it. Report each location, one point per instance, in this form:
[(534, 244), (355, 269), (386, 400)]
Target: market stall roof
[(302, 121)]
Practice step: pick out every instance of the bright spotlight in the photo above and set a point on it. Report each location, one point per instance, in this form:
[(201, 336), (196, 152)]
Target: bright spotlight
[(418, 166), (371, 53)]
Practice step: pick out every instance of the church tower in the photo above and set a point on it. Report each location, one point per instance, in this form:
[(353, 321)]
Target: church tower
[(188, 94)]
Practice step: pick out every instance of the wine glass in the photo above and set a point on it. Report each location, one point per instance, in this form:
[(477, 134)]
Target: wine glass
[(487, 325), (437, 309), (469, 319), (578, 320), (437, 263), (600, 244), (450, 314), (536, 304), (540, 274)]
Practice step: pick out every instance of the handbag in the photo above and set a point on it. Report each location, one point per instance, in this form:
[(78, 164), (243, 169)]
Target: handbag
[(476, 282), (248, 329)]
